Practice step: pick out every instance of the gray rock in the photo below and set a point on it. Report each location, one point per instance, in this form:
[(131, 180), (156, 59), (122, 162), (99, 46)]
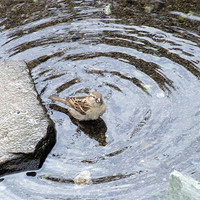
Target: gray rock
[(182, 188), (26, 133)]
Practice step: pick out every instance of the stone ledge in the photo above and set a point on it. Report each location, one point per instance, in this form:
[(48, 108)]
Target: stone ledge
[(26, 133)]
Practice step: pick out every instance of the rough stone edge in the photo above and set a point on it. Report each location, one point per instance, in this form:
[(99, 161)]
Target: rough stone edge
[(32, 161)]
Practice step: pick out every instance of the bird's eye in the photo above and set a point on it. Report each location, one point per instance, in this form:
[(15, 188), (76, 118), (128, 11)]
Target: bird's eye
[(94, 97)]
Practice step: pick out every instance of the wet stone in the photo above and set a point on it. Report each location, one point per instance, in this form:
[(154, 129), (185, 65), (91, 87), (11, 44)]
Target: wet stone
[(182, 187), (84, 178), (26, 133)]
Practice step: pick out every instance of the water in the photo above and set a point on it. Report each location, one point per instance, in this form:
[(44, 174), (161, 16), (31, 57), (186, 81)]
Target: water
[(146, 65)]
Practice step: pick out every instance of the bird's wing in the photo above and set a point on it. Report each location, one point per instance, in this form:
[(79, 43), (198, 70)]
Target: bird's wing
[(78, 103)]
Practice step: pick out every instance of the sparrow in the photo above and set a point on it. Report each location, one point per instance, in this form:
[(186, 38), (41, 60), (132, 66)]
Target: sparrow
[(84, 108)]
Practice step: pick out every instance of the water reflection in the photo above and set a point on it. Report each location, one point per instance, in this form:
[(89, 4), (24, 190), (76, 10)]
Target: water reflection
[(94, 181), (143, 60)]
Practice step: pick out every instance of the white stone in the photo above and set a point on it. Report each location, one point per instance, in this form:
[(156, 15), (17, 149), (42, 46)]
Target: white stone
[(84, 178), (182, 187)]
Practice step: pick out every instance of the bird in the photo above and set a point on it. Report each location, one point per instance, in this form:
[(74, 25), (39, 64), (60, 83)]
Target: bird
[(84, 108)]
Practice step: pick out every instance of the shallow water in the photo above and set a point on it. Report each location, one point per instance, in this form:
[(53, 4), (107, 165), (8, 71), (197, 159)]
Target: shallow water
[(146, 65)]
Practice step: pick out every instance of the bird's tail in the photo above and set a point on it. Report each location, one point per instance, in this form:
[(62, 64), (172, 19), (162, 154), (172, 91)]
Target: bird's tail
[(56, 98)]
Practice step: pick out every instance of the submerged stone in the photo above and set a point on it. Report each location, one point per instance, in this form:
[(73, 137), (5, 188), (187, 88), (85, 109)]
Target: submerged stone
[(84, 178), (26, 133), (182, 188)]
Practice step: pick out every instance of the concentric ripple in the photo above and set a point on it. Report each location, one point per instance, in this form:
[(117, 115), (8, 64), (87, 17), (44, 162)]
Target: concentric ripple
[(149, 78)]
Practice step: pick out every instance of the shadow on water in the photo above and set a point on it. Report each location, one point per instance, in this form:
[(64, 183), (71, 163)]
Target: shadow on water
[(143, 56), (94, 129)]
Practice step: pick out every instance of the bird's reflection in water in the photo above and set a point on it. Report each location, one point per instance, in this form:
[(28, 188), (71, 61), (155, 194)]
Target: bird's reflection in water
[(95, 129)]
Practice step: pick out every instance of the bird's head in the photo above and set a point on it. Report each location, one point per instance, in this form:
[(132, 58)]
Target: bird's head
[(96, 98)]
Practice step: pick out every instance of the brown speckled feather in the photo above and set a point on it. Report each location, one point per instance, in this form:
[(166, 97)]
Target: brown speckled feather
[(84, 108), (78, 104)]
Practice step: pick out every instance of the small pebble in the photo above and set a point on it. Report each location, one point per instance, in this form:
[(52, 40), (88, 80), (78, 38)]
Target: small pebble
[(83, 178)]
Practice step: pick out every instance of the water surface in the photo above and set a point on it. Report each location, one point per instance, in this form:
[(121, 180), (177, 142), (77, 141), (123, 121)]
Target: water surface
[(145, 62)]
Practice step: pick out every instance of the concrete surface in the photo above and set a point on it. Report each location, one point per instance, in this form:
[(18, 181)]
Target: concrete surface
[(26, 133), (182, 188)]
